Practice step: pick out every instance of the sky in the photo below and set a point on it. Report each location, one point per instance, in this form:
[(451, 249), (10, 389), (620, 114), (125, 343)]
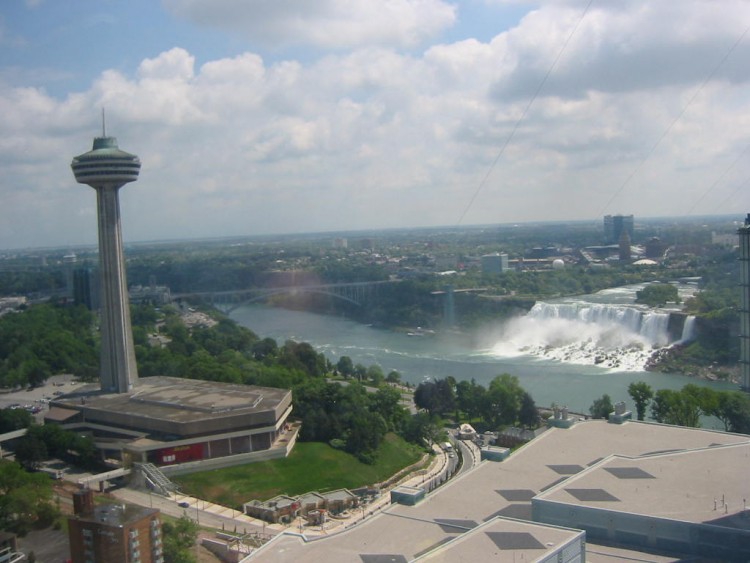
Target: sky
[(256, 117)]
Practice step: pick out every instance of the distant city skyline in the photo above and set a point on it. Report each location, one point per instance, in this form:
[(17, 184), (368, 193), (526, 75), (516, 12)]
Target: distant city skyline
[(289, 117)]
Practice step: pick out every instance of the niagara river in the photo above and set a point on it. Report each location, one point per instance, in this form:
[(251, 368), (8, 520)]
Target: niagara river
[(567, 351)]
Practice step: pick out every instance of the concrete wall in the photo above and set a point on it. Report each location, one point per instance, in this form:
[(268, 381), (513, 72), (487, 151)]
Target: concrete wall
[(229, 461), (642, 531)]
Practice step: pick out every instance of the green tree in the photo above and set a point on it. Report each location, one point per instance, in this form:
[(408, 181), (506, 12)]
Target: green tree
[(657, 294), (345, 366), (25, 498), (179, 539), (502, 402), (393, 377), (528, 415), (641, 393), (470, 398), (366, 430), (423, 428), (31, 451), (733, 409), (360, 371), (14, 419), (438, 397), (266, 348), (676, 407), (601, 407), (375, 375)]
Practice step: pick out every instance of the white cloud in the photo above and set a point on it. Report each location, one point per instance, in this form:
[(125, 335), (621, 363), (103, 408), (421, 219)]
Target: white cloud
[(330, 24), (376, 138)]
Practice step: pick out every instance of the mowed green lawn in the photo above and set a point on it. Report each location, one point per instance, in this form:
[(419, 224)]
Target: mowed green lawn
[(312, 466)]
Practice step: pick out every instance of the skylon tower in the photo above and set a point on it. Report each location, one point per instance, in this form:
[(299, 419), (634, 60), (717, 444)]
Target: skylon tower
[(106, 168)]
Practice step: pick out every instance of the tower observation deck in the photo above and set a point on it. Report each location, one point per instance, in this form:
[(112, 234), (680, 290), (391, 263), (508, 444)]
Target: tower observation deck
[(106, 168)]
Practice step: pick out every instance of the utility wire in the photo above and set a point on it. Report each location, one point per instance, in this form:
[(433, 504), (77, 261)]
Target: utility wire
[(731, 195), (676, 119), (523, 115), (716, 182)]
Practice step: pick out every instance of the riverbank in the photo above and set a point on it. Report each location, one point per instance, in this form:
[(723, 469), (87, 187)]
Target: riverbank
[(670, 360)]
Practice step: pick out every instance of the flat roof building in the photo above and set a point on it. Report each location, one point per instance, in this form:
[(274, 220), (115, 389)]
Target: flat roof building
[(605, 465), (168, 420)]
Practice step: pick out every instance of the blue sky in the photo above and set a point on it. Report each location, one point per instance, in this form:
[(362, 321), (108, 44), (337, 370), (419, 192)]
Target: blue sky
[(272, 116)]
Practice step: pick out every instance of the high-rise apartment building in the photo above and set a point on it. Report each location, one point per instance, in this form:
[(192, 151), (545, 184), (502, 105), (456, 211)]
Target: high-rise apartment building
[(614, 225), (113, 532), (494, 263)]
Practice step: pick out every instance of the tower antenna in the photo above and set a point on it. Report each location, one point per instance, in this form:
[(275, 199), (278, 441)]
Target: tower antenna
[(104, 128)]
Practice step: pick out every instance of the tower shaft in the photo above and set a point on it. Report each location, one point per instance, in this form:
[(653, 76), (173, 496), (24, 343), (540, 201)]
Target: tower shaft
[(119, 371)]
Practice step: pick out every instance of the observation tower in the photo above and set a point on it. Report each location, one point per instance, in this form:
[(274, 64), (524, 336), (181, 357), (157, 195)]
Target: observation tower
[(106, 168)]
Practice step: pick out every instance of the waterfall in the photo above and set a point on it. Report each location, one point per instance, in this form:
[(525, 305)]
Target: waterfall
[(607, 329), (651, 326), (619, 336), (688, 330)]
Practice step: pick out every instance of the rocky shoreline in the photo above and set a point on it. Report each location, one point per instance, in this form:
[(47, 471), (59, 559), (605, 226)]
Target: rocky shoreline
[(669, 360)]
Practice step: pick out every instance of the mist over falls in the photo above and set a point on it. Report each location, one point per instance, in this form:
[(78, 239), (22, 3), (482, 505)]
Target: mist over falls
[(610, 335)]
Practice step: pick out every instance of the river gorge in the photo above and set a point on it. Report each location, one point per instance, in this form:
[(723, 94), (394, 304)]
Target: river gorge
[(567, 351)]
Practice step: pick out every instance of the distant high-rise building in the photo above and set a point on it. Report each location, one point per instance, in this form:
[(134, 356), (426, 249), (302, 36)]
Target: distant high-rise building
[(624, 244), (614, 225), (106, 168), (85, 290), (655, 248), (113, 532), (744, 233), (494, 263)]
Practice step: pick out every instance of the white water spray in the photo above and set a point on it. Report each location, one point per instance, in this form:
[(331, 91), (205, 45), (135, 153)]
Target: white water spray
[(616, 336)]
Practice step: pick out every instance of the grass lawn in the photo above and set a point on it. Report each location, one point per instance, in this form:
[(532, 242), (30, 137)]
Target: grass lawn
[(312, 466)]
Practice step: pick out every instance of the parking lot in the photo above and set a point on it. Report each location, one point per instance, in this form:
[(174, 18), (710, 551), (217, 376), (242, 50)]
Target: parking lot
[(36, 400)]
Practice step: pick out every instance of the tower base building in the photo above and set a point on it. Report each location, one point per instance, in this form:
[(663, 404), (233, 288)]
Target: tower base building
[(189, 424)]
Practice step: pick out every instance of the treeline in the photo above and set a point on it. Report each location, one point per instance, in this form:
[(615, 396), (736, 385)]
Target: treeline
[(43, 442), (684, 407), (344, 415), (503, 403), (716, 308), (45, 340)]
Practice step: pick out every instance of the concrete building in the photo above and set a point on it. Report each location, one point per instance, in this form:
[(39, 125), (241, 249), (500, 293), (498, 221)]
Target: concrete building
[(494, 263), (614, 225), (189, 424), (113, 532), (744, 233), (106, 169), (639, 491), (86, 288)]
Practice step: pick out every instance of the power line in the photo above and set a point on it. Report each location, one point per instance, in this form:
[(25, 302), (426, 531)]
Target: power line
[(523, 115), (676, 119), (716, 182), (731, 195)]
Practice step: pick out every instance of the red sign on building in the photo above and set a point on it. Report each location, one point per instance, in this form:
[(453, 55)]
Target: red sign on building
[(180, 454)]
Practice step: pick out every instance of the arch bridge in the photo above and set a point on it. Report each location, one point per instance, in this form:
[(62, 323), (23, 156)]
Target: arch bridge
[(227, 301)]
